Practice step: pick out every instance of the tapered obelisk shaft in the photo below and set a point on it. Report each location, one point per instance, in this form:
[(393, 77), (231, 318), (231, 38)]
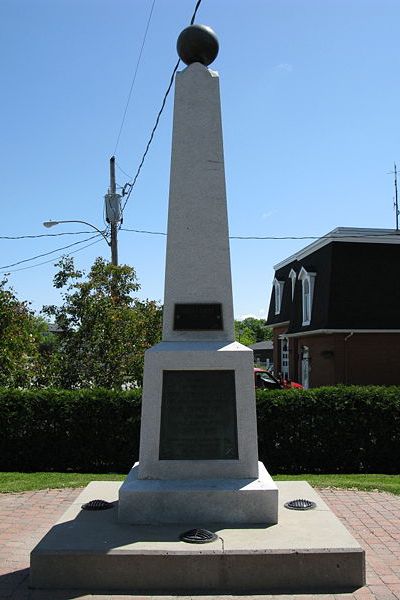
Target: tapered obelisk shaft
[(198, 262)]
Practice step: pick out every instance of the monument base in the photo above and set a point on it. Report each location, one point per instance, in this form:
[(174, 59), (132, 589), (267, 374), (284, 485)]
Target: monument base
[(186, 441), (306, 552), (158, 501)]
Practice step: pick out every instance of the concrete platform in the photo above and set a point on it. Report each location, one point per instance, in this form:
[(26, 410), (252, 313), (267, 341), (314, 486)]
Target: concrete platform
[(229, 501), (307, 551)]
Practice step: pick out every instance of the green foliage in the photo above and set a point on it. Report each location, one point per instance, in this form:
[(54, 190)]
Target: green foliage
[(343, 429), (251, 330), (15, 481), (326, 430), (80, 430), (21, 336), (358, 481), (105, 330)]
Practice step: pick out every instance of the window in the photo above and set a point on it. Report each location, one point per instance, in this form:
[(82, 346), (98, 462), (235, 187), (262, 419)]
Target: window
[(306, 300), (307, 280), (293, 277), (278, 287)]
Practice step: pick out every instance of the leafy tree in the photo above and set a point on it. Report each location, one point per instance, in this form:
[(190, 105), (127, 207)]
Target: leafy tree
[(21, 334), (104, 329), (251, 330)]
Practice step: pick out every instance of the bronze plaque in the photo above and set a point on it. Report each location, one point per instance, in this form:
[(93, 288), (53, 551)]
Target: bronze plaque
[(198, 416), (198, 317)]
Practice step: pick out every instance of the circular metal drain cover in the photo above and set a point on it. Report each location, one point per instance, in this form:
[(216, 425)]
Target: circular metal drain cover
[(198, 536), (97, 505), (300, 504)]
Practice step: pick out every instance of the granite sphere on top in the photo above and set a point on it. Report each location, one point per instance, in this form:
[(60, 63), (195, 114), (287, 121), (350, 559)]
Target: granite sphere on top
[(197, 43)]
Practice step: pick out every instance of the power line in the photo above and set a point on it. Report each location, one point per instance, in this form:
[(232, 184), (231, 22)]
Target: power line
[(284, 237), (122, 171), (321, 237), (132, 183), (45, 262), (233, 237), (134, 77), (47, 253), (41, 235), (143, 231), (313, 237)]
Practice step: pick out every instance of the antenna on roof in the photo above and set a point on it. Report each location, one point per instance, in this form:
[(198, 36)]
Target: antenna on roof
[(395, 199)]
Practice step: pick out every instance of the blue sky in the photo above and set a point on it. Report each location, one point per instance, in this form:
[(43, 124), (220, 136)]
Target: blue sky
[(310, 107)]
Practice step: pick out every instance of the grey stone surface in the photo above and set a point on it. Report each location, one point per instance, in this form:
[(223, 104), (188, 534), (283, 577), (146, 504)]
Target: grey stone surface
[(197, 501), (201, 356), (198, 262), (305, 552), (198, 272)]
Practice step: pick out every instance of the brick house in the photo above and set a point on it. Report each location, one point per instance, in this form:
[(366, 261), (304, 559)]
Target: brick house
[(335, 310)]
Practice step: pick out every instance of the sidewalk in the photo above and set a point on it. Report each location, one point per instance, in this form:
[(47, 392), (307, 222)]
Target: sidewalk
[(372, 517)]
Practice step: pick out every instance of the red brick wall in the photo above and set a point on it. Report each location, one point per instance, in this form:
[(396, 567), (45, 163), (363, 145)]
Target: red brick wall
[(372, 358), (361, 359)]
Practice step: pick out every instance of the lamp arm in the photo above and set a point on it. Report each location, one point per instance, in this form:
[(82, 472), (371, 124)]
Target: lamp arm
[(47, 224)]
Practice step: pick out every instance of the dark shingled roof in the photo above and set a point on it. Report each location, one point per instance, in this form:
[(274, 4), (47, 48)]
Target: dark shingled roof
[(357, 286)]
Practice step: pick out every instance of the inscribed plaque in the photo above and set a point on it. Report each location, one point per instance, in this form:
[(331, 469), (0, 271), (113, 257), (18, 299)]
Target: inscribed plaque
[(198, 317), (198, 416)]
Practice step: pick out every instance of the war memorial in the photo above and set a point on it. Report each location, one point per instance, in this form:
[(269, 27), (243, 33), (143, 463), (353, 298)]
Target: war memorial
[(198, 478)]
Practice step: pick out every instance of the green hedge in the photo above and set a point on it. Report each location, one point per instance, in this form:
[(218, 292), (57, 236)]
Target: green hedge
[(333, 429), (60, 430), (343, 429)]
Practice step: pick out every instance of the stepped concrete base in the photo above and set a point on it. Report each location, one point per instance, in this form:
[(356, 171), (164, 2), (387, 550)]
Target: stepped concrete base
[(308, 551), (231, 501)]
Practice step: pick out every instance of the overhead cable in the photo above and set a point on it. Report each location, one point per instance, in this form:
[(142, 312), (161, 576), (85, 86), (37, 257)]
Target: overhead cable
[(47, 253), (232, 237), (143, 231), (45, 262), (284, 237), (128, 187), (134, 78), (41, 235)]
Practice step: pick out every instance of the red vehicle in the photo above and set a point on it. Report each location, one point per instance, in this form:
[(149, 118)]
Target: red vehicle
[(263, 379)]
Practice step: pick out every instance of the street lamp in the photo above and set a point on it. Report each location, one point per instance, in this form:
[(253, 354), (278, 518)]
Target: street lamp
[(49, 224), (113, 215)]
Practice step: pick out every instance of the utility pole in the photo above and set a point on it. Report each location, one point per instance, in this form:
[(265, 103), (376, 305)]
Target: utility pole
[(396, 200), (114, 227), (113, 212)]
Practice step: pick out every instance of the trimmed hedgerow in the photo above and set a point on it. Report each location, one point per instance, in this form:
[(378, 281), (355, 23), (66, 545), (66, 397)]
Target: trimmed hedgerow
[(343, 429), (62, 430), (326, 430)]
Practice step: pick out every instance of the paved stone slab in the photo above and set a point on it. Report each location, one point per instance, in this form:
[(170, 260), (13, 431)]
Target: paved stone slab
[(306, 551), (372, 517)]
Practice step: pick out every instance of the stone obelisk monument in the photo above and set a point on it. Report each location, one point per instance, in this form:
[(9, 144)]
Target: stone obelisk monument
[(198, 466), (198, 459)]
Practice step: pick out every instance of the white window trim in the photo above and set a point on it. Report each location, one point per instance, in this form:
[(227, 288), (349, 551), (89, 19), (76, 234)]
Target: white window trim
[(278, 287), (293, 277), (310, 278)]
